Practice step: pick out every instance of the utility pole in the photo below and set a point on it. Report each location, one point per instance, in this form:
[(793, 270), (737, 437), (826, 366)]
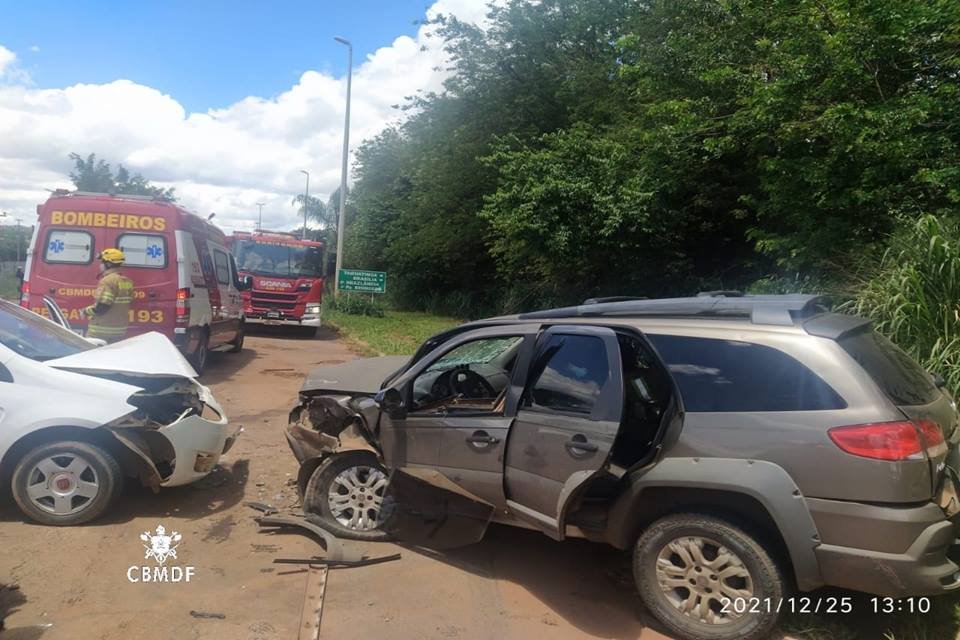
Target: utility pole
[(260, 223), (343, 170), (306, 199), (19, 220)]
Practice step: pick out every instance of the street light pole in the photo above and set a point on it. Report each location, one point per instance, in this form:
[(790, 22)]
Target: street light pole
[(341, 216), (19, 220), (260, 223), (306, 199)]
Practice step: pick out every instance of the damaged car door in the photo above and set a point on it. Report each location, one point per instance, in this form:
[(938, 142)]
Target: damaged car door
[(444, 433), (567, 422)]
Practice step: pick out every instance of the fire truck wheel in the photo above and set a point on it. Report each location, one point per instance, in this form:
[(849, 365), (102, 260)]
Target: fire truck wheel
[(236, 346), (308, 332)]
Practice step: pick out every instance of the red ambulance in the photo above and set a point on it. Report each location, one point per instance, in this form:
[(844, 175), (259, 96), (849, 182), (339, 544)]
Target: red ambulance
[(286, 278), (186, 284)]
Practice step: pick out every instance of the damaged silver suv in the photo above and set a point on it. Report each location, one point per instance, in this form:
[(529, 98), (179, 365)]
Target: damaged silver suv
[(742, 447)]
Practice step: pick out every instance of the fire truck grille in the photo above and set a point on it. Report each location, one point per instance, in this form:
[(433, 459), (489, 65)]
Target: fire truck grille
[(271, 300)]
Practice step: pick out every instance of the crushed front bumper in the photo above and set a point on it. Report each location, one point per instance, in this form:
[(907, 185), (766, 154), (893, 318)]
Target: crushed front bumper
[(185, 450)]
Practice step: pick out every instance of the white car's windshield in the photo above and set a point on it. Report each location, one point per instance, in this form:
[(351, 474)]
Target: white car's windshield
[(35, 337)]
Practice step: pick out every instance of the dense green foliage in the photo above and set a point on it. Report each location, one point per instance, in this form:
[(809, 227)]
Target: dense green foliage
[(586, 147), (914, 294), (94, 175), (357, 304)]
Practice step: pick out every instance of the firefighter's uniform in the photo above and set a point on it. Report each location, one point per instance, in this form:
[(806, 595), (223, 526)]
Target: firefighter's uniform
[(109, 313)]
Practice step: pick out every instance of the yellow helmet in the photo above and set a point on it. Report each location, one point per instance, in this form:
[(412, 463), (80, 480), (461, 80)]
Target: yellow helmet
[(112, 256)]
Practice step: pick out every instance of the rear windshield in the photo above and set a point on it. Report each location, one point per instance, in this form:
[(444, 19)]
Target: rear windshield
[(897, 374)]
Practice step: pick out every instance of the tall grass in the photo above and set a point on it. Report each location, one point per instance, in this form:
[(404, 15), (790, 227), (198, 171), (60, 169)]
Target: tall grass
[(913, 296)]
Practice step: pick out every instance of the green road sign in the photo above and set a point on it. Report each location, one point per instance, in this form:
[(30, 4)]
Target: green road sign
[(366, 281)]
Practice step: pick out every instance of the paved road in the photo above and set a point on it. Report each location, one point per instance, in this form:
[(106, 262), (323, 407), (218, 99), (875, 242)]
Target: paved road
[(513, 584)]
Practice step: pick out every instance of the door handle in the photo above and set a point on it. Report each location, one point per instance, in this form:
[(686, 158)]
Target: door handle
[(578, 445), (481, 439)]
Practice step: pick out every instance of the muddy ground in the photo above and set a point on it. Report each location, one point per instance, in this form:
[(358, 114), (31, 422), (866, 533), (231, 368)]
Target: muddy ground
[(72, 582)]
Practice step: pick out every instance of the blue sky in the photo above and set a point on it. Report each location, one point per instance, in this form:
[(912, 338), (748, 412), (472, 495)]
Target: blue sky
[(207, 54), (225, 101)]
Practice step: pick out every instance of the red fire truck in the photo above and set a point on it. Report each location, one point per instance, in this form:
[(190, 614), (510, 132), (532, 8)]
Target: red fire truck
[(287, 275)]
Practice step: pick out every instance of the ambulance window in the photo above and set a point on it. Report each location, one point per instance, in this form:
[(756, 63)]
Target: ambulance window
[(143, 250), (73, 247), (222, 266)]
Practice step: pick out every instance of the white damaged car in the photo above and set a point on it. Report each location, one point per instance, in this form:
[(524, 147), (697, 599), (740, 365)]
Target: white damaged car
[(76, 419)]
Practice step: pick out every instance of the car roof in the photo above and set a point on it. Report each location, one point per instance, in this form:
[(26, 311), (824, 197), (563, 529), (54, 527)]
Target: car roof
[(789, 313)]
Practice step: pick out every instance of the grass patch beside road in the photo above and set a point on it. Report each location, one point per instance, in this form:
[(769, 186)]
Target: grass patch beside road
[(397, 333)]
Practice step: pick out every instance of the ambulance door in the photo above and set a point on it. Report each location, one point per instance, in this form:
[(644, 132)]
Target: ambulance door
[(149, 264)]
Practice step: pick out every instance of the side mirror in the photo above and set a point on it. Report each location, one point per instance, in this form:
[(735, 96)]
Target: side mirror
[(391, 402), (19, 273), (939, 380), (246, 283)]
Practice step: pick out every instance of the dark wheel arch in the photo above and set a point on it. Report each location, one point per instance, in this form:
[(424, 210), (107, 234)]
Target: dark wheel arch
[(759, 493)]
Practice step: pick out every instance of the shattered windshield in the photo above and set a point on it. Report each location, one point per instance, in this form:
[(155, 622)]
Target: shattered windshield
[(477, 352), (277, 259), (35, 337)]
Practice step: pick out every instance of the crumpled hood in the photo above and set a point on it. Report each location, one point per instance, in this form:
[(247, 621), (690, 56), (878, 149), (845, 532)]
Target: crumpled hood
[(357, 377), (149, 354)]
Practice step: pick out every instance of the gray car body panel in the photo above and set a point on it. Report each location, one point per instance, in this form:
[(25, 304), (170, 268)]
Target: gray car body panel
[(783, 460), (356, 377), (766, 482)]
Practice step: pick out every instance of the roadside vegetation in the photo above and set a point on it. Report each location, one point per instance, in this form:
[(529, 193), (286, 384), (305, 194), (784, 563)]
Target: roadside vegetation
[(392, 333)]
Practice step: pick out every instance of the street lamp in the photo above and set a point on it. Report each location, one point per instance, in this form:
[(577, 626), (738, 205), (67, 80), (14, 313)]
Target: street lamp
[(341, 216), (306, 198), (260, 223)]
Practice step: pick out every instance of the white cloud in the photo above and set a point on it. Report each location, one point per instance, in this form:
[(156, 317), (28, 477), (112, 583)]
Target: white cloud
[(224, 160), (34, 49)]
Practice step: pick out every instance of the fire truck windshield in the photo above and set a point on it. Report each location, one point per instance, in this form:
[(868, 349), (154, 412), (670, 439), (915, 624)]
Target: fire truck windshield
[(276, 259)]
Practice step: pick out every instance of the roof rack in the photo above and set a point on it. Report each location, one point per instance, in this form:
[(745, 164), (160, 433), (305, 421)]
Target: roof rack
[(613, 299), (761, 309)]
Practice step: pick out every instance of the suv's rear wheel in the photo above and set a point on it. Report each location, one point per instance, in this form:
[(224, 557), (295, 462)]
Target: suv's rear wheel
[(705, 578), (347, 491)]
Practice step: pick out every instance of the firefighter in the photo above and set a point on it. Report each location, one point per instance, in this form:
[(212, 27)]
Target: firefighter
[(109, 313)]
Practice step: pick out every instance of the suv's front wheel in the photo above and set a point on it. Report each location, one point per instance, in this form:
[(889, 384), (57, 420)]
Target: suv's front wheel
[(705, 578)]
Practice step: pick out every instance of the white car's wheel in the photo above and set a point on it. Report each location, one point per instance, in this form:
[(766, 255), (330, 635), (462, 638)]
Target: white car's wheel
[(65, 483)]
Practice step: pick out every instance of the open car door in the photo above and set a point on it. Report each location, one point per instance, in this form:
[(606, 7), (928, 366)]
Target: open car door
[(566, 425), (444, 435), (56, 313)]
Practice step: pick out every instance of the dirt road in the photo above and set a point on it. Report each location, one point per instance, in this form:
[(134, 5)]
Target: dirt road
[(73, 582)]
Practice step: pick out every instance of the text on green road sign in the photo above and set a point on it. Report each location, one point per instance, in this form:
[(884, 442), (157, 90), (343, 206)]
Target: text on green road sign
[(359, 280)]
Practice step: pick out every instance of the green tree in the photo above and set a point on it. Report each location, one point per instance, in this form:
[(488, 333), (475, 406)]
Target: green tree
[(95, 175)]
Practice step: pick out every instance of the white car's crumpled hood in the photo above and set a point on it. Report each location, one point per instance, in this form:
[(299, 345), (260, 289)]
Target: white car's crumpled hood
[(149, 354)]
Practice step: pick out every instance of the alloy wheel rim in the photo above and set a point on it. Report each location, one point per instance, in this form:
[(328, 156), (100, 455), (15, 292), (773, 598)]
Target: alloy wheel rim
[(62, 484), (698, 576), (356, 496)]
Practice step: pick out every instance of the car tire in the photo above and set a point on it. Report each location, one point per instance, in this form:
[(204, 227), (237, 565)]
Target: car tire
[(201, 354), (673, 564), (66, 483), (236, 345), (336, 489)]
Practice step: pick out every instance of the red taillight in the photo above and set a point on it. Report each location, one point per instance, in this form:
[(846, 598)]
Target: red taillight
[(932, 437), (183, 305), (25, 295), (882, 441)]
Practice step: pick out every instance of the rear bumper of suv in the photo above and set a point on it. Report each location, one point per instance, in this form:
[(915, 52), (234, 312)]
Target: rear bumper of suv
[(889, 551)]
